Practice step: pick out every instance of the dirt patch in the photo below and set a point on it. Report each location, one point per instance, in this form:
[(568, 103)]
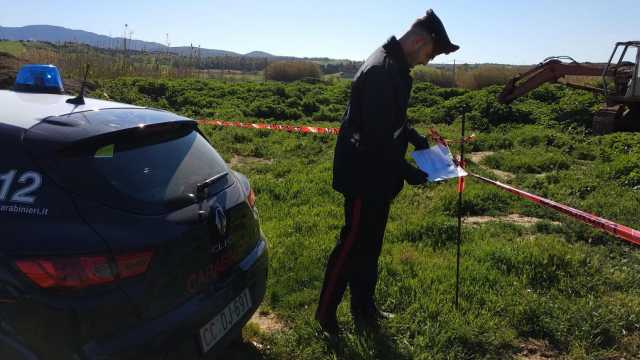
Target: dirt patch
[(502, 174), (532, 349), (512, 219), (477, 157), (267, 322), (248, 161)]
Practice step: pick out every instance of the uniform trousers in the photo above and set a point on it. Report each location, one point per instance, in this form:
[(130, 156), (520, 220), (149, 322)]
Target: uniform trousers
[(354, 259)]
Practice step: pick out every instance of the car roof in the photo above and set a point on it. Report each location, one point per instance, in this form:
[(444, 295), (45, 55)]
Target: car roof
[(24, 109)]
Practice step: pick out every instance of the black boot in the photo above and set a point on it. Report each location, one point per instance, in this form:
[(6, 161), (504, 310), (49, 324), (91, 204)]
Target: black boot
[(368, 317), (373, 311), (330, 330), (363, 321)]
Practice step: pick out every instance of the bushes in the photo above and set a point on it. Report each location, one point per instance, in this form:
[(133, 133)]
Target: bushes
[(233, 101), (484, 76), (550, 105), (466, 76), (484, 103), (329, 113), (626, 170), (434, 76), (424, 95), (288, 71)]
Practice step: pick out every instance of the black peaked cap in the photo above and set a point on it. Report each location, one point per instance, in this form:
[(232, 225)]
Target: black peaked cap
[(433, 25)]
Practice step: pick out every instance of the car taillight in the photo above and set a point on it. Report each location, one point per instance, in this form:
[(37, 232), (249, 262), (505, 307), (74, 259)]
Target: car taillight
[(133, 264), (251, 198), (83, 271)]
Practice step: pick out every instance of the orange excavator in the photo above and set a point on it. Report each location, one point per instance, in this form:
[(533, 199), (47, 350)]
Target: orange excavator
[(620, 85)]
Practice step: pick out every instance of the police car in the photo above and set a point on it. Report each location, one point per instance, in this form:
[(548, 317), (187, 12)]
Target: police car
[(123, 233)]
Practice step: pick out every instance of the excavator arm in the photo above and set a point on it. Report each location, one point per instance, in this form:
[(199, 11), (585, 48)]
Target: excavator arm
[(550, 70)]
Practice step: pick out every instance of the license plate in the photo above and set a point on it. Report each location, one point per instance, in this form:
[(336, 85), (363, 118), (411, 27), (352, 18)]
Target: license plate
[(215, 329)]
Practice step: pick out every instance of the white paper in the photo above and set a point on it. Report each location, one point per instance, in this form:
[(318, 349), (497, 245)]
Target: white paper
[(437, 161)]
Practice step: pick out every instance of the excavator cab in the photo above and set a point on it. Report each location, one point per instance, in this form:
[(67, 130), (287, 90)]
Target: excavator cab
[(624, 72)]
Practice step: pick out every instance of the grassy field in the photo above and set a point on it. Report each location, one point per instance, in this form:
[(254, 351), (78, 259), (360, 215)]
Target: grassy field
[(14, 48), (546, 287), (555, 281)]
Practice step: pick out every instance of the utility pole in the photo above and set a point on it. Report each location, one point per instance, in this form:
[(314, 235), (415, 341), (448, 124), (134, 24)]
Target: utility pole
[(124, 39), (190, 59), (199, 63)]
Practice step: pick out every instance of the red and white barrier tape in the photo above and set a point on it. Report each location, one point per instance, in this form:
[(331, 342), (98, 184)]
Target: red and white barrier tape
[(277, 127), (315, 130), (623, 232), (620, 231)]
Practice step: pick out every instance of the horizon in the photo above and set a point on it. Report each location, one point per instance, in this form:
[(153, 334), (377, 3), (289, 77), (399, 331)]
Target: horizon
[(573, 28)]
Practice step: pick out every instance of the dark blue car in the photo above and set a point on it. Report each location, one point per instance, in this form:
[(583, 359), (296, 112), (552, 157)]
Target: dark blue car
[(123, 233)]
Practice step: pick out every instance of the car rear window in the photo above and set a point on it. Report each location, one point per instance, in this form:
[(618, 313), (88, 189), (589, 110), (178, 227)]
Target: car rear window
[(158, 172), (148, 170)]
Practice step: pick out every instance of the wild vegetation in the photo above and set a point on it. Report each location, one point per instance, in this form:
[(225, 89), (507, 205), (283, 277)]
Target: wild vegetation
[(109, 63), (326, 101), (467, 76), (288, 71), (114, 62), (569, 290)]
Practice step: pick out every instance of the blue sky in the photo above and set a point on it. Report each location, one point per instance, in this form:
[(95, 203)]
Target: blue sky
[(515, 32)]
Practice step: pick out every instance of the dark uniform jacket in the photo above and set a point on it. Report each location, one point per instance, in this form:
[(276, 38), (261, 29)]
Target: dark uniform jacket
[(370, 152)]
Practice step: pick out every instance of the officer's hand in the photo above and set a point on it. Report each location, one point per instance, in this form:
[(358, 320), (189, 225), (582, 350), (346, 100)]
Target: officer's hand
[(421, 143), (416, 176)]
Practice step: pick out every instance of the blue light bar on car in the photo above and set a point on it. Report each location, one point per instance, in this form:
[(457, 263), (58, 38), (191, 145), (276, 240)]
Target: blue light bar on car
[(39, 79)]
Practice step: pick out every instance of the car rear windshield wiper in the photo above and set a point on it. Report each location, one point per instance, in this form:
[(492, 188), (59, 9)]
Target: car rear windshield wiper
[(201, 188)]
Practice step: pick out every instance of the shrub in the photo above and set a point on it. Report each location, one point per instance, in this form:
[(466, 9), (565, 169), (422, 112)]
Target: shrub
[(329, 113), (288, 71), (531, 136), (626, 169), (548, 93), (578, 107), (488, 111), (448, 93), (484, 76), (432, 75), (424, 94)]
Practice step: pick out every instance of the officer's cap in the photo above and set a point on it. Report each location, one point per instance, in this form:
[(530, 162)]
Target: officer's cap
[(432, 24)]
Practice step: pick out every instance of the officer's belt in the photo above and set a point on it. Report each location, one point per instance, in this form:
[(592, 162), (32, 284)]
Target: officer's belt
[(355, 138)]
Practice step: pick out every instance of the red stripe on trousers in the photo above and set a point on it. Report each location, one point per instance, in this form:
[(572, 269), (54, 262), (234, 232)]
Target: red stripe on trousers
[(353, 234)]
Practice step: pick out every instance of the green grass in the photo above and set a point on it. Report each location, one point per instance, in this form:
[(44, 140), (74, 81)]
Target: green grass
[(14, 48), (533, 161), (569, 285)]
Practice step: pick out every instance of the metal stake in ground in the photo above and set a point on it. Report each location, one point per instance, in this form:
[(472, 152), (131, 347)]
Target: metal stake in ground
[(460, 190)]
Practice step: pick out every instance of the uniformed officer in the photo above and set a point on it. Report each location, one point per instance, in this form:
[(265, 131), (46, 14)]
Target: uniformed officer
[(370, 169)]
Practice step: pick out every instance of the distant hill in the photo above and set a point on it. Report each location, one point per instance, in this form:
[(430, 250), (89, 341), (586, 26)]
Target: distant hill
[(259, 54), (58, 34), (187, 50)]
